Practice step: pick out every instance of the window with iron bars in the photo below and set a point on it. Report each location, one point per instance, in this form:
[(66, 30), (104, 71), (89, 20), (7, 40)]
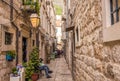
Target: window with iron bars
[(8, 38), (115, 11)]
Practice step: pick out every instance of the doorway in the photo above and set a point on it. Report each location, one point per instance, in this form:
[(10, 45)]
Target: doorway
[(24, 49)]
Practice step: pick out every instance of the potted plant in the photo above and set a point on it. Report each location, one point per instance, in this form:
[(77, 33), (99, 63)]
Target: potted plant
[(28, 71), (10, 55), (14, 75), (32, 71), (14, 72)]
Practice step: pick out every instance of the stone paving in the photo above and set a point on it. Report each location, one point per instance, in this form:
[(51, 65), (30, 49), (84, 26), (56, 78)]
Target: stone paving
[(60, 71)]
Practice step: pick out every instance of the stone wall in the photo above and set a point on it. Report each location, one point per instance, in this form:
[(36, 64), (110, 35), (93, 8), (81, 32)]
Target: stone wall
[(0, 35), (94, 60), (5, 25), (5, 68)]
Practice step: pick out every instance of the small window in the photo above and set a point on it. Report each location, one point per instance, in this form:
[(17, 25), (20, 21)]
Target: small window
[(77, 34), (8, 38), (33, 42), (111, 20), (115, 11)]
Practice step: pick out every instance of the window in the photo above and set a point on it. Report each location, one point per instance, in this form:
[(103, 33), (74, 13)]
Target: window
[(111, 20), (33, 42), (77, 37), (8, 38), (77, 34), (115, 11)]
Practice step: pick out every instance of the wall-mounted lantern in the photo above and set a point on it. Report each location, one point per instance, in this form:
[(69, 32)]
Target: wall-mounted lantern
[(35, 20)]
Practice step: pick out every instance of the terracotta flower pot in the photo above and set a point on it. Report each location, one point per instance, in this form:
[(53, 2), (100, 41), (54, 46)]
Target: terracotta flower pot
[(35, 76)]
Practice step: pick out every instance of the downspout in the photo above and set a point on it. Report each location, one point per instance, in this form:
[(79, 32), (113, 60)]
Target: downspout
[(67, 37), (12, 22), (73, 55), (37, 38)]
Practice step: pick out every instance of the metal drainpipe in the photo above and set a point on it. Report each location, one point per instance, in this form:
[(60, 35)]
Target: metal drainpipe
[(67, 34), (65, 28), (73, 55), (37, 39), (11, 18)]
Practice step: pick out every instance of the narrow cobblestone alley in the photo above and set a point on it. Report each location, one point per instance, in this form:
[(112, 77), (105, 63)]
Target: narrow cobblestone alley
[(60, 71), (34, 34)]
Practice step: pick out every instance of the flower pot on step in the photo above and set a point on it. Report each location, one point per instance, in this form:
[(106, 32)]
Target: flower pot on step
[(35, 76)]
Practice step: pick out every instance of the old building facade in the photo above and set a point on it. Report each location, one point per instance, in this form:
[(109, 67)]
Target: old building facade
[(96, 39), (68, 33), (47, 29), (17, 32), (15, 35)]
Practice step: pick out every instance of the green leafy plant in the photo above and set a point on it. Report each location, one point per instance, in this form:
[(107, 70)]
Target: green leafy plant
[(33, 64), (33, 5), (14, 71), (24, 64), (29, 70), (28, 2), (12, 53), (37, 7), (58, 9)]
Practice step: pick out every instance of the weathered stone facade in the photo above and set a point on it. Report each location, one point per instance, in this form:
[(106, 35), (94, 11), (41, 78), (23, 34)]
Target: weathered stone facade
[(47, 30), (94, 60), (15, 19), (10, 12), (5, 25)]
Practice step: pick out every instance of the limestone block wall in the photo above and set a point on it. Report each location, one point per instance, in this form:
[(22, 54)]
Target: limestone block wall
[(0, 35), (5, 66), (18, 18), (94, 60)]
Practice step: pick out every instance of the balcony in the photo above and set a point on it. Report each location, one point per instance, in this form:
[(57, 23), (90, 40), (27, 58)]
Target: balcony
[(31, 6), (47, 2)]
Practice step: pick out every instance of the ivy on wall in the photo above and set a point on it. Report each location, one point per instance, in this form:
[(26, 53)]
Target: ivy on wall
[(58, 10)]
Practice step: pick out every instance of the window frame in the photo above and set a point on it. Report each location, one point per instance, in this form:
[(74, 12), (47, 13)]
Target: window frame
[(33, 42), (77, 36), (111, 32), (116, 11), (8, 38)]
